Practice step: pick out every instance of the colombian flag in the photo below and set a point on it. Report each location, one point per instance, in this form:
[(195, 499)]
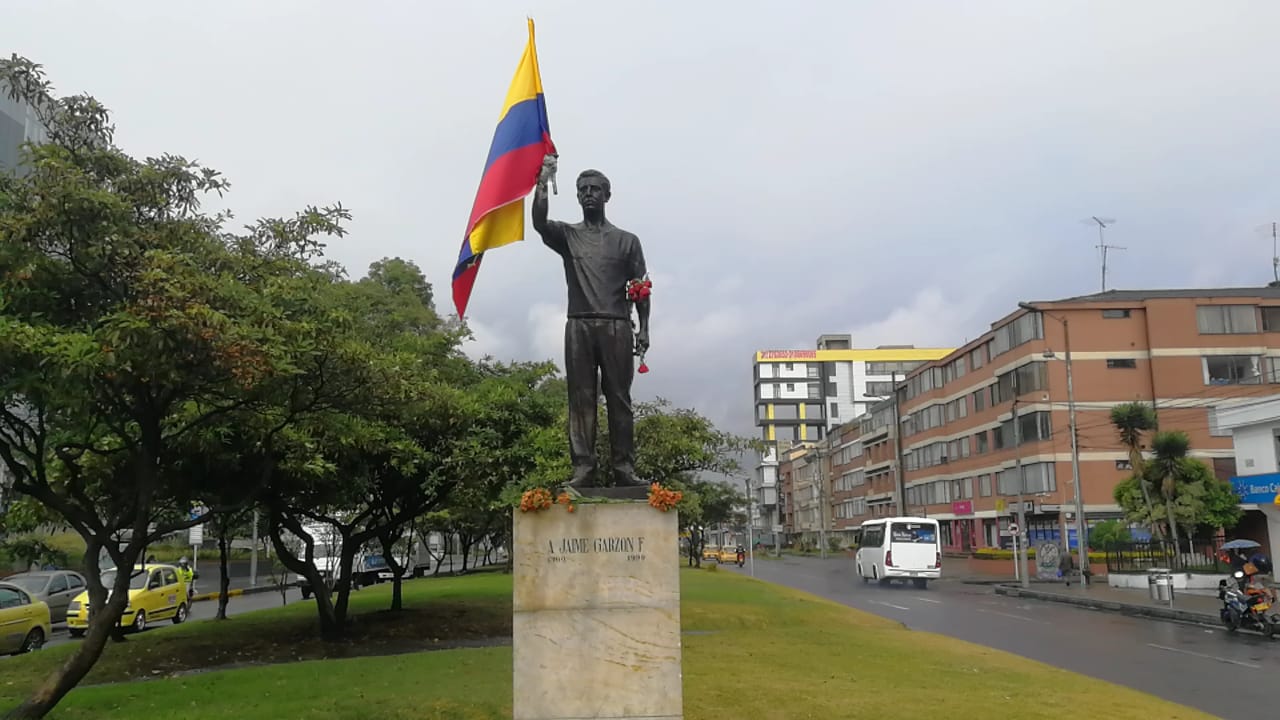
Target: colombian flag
[(522, 139)]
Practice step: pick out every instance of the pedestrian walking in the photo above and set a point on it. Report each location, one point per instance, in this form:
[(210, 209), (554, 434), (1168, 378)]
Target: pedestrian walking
[(1066, 565)]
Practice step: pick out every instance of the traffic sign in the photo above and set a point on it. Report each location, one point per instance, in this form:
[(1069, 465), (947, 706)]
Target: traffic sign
[(1013, 528), (1000, 506)]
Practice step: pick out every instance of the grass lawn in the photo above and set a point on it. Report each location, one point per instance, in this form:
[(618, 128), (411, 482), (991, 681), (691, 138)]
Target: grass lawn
[(758, 652)]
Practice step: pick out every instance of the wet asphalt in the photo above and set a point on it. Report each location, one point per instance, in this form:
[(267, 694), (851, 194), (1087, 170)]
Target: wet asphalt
[(1229, 676)]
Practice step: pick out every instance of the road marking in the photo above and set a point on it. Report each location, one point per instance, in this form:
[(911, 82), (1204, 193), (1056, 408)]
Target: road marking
[(1229, 661), (896, 607), (928, 600), (1009, 615)]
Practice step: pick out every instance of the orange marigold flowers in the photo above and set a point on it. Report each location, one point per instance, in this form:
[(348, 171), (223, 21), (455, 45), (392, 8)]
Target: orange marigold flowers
[(662, 498), (535, 499)]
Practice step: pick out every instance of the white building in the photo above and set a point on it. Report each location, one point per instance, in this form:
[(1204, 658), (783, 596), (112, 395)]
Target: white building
[(801, 394), (1255, 435)]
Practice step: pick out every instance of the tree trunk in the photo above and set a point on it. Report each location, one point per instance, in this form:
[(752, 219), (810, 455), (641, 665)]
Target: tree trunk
[(397, 570), (105, 615), (330, 628), (224, 577), (1139, 470), (1173, 523)]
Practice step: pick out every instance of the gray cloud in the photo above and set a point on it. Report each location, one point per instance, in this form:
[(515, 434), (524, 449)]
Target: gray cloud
[(902, 171)]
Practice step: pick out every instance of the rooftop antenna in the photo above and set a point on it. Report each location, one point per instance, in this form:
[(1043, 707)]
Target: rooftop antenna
[(1271, 228), (1103, 223)]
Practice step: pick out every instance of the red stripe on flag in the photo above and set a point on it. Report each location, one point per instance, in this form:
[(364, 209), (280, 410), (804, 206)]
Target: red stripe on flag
[(509, 178), (462, 284)]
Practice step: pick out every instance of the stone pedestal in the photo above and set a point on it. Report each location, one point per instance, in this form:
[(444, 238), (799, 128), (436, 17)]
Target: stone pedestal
[(596, 631)]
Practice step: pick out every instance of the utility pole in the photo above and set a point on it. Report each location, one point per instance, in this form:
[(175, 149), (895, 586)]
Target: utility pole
[(253, 559), (1082, 527), (1103, 247), (899, 470), (1019, 545), (822, 495), (751, 520)]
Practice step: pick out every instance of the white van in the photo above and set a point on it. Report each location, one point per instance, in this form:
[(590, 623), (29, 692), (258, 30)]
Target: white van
[(900, 548)]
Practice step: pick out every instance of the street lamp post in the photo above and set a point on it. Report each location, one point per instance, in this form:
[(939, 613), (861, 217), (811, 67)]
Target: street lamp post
[(1082, 528), (751, 521)]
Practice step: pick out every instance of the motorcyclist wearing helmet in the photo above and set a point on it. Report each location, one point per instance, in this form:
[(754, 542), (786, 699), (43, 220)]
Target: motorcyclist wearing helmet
[(187, 575)]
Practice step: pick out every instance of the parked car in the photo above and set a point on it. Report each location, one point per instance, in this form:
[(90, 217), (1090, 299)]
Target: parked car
[(24, 621), (54, 588), (155, 593)]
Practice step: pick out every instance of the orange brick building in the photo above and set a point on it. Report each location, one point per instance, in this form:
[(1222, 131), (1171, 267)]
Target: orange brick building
[(1187, 352)]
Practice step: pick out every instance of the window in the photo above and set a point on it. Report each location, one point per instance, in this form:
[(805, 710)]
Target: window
[(812, 371), (873, 536), (1026, 328), (815, 392), (980, 441), (1030, 377), (169, 577), (1271, 319), (921, 533), (978, 357), (12, 597), (980, 400), (879, 388), (835, 410), (75, 582), (1036, 478), (1231, 370), (966, 488), (1115, 314), (790, 366), (791, 387), (984, 485), (1226, 319), (1124, 465), (58, 584), (1122, 363), (1031, 428)]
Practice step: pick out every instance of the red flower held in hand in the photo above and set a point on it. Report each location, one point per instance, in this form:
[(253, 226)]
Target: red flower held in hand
[(642, 369)]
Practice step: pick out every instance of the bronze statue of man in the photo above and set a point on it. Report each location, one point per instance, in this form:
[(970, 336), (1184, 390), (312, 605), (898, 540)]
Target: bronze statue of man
[(599, 344)]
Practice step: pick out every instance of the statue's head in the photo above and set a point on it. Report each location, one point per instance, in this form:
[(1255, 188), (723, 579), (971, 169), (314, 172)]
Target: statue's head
[(593, 190)]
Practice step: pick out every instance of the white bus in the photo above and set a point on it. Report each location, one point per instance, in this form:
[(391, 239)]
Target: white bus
[(905, 548)]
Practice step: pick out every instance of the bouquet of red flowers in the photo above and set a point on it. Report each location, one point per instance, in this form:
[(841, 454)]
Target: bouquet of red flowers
[(638, 290)]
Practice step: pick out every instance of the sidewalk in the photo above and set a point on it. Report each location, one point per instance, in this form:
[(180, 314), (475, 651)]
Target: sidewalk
[(1188, 606)]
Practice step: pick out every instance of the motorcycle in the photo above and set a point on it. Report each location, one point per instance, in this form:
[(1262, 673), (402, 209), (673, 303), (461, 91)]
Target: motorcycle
[(742, 559), (1241, 609)]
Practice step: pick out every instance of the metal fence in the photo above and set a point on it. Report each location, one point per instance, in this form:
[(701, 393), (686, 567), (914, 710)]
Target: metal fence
[(1190, 556)]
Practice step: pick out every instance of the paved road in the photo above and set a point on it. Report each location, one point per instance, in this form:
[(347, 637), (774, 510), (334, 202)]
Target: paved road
[(1230, 676)]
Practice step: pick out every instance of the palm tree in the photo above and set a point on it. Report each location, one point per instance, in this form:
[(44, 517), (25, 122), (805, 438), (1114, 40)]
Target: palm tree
[(1131, 420), (1167, 468)]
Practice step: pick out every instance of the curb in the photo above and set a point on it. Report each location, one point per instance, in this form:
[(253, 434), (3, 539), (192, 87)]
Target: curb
[(201, 597), (1151, 611)]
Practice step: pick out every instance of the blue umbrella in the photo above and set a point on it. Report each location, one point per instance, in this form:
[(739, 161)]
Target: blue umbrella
[(1240, 545)]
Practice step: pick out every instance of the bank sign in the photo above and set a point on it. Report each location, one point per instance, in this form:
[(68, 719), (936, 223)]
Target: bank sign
[(1257, 489)]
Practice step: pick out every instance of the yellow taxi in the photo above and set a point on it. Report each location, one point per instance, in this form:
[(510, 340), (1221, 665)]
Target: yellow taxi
[(155, 593), (711, 552), (728, 554), (24, 621)]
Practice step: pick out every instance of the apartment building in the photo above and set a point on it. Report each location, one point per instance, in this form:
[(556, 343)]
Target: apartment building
[(1189, 353), (18, 124), (801, 394)]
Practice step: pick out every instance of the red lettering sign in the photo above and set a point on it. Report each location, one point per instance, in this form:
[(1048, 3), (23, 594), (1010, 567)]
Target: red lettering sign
[(789, 355), (962, 507)]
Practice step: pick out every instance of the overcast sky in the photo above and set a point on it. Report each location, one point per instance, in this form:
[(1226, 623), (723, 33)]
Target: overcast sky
[(904, 171)]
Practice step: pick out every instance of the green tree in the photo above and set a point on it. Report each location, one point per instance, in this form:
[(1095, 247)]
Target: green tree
[(1186, 491), (1108, 533), (1132, 421), (706, 503), (130, 320)]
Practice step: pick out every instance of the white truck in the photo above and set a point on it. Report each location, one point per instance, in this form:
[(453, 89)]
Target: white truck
[(370, 566)]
